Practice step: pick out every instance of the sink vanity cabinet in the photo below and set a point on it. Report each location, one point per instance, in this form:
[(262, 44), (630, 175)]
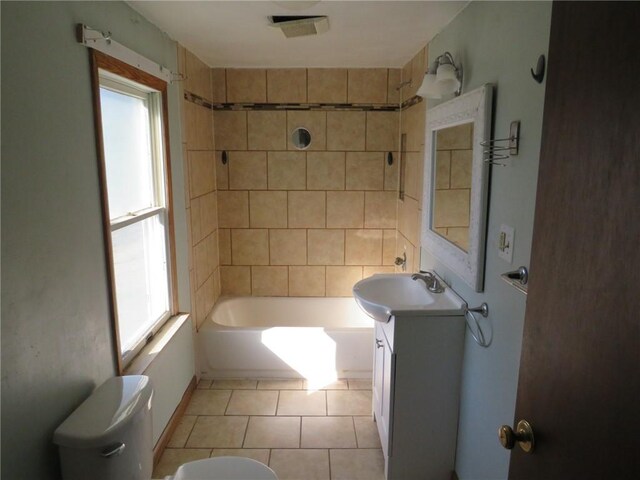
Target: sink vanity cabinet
[(416, 388), (419, 342)]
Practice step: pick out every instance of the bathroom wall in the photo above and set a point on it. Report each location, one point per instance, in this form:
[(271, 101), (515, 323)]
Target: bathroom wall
[(200, 178), (498, 43), (313, 222), (56, 330)]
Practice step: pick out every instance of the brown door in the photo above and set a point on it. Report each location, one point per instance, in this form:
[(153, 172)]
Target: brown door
[(579, 383)]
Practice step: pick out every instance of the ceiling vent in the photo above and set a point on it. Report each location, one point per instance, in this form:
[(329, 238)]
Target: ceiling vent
[(299, 26)]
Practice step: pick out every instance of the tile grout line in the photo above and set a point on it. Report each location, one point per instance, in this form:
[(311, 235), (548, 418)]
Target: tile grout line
[(326, 404), (190, 432), (226, 408), (246, 431), (355, 431), (306, 85)]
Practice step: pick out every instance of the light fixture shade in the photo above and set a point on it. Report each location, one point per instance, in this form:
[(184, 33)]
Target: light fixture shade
[(429, 87), (447, 79)]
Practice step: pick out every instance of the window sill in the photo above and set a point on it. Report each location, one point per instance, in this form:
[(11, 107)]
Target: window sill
[(141, 362)]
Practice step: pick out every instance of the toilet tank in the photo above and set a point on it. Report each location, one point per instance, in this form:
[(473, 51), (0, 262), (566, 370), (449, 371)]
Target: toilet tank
[(108, 437)]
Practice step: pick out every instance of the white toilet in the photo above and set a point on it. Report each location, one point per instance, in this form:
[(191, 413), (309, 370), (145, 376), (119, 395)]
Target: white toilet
[(224, 468), (108, 437)]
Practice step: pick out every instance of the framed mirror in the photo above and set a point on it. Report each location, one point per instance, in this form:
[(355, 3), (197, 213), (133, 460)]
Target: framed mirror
[(456, 184)]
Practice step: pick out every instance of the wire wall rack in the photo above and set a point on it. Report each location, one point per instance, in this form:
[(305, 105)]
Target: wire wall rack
[(499, 149)]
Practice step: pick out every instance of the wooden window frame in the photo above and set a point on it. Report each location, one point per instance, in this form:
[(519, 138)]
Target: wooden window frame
[(99, 60)]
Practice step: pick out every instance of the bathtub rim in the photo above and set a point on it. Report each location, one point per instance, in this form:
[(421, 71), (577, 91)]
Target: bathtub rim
[(211, 324)]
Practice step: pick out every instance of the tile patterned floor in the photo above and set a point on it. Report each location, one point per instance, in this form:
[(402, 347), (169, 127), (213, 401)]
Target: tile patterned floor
[(302, 435)]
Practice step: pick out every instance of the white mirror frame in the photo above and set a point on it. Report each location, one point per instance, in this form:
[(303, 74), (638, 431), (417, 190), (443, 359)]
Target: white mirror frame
[(473, 107)]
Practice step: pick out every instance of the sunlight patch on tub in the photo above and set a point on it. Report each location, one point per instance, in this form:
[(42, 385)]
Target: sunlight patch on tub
[(308, 350)]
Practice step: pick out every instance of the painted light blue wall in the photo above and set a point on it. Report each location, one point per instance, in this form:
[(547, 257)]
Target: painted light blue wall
[(498, 42), (56, 334)]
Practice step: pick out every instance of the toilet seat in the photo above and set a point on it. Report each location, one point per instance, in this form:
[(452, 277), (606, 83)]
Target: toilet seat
[(224, 468)]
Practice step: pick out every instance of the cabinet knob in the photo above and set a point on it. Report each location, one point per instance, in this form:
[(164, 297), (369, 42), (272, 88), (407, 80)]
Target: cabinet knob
[(379, 343)]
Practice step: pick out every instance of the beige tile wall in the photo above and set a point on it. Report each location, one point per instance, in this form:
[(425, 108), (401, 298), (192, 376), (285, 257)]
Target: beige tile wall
[(201, 192), (313, 222), (412, 124)]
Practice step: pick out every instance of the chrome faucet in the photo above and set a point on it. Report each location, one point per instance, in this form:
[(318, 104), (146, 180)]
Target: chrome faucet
[(430, 280)]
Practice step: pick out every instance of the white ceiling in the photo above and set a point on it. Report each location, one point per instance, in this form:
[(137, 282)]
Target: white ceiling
[(361, 34)]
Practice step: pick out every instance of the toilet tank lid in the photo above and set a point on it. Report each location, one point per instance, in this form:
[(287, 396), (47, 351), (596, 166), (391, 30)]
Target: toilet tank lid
[(102, 417)]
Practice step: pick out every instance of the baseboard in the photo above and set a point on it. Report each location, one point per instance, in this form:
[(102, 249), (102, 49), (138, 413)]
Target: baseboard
[(173, 421)]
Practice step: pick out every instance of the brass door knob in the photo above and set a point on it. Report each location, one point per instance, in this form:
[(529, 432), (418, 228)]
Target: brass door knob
[(523, 436)]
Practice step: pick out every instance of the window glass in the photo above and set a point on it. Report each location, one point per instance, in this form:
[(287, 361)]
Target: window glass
[(140, 268), (128, 152)]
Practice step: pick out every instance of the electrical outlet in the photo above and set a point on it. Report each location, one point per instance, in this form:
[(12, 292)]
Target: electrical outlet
[(505, 243)]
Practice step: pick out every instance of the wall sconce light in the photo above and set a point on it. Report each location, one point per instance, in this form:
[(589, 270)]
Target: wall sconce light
[(443, 77)]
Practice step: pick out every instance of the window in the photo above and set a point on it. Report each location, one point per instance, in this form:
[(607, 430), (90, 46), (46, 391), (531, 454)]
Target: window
[(136, 200)]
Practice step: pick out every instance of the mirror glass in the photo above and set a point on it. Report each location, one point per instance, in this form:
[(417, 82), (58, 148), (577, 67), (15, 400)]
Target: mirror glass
[(301, 138), (456, 185), (452, 192)]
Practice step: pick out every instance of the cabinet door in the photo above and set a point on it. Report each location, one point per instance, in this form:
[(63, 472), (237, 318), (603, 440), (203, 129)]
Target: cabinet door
[(382, 388), (386, 415), (378, 372)]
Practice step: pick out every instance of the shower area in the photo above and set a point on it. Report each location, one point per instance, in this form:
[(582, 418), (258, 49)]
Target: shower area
[(292, 179)]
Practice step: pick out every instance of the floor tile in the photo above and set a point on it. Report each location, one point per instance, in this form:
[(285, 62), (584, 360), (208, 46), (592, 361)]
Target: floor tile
[(172, 458), (301, 402), (182, 431), (349, 402), (273, 432), (204, 384), (360, 384), (314, 434), (208, 402), (328, 432), (300, 464), (218, 432), (287, 384), (261, 455), (234, 384), (253, 402), (337, 385), (366, 432), (360, 464)]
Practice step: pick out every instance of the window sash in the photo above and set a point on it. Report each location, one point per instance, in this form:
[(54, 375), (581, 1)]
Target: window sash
[(153, 101), (156, 324)]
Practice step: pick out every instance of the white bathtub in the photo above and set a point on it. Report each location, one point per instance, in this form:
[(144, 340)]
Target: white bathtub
[(319, 339)]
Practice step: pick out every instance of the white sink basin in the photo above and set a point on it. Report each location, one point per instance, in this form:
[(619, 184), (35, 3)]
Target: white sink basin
[(382, 296)]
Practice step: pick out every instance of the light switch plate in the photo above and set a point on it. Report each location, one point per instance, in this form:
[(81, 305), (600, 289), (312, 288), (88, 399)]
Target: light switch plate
[(505, 243)]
